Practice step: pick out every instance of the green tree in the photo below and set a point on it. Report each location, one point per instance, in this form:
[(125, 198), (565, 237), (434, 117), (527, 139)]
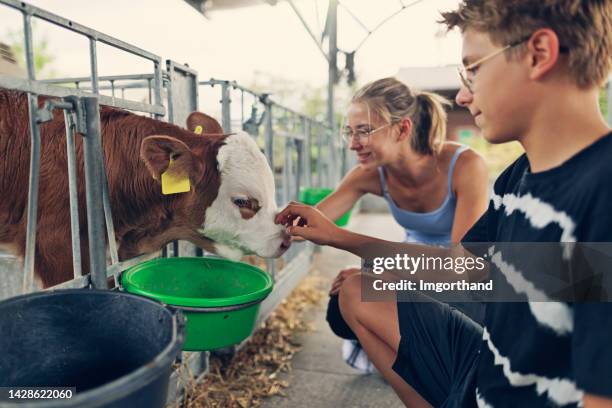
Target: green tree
[(43, 59), (603, 100)]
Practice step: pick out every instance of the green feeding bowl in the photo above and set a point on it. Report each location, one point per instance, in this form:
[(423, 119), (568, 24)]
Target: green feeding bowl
[(313, 196), (219, 298)]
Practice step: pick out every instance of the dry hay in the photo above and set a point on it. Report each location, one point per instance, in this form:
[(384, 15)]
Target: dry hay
[(253, 373)]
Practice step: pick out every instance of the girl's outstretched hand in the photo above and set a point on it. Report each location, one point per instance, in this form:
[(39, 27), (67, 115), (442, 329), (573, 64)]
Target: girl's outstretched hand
[(307, 222)]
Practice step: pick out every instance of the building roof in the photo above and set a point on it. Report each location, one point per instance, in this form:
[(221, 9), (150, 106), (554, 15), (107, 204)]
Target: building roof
[(443, 78)]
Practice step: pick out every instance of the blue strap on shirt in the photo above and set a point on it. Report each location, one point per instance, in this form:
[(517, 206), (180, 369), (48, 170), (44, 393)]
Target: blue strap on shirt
[(432, 228)]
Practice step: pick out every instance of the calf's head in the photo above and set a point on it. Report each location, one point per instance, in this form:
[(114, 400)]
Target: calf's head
[(230, 203)]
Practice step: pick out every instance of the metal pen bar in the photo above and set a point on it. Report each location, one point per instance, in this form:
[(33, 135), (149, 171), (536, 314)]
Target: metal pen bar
[(306, 152), (109, 78), (182, 67), (78, 28), (170, 93), (286, 170), (158, 84), (260, 96), (28, 265), (226, 121), (39, 88), (28, 277), (300, 167), (108, 218), (150, 96), (269, 140), (92, 155), (131, 85), (73, 195), (241, 107)]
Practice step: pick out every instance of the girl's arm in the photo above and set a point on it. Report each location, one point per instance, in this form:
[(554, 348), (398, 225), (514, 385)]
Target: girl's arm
[(351, 188), (470, 185)]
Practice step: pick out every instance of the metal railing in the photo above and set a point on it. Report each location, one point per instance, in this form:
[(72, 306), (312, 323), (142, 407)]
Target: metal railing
[(83, 107), (296, 146)]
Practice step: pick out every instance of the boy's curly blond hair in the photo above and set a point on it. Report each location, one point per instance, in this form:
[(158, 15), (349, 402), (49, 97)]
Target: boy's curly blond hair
[(583, 26)]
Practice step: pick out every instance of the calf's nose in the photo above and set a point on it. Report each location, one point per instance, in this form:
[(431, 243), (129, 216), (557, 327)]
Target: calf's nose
[(286, 241)]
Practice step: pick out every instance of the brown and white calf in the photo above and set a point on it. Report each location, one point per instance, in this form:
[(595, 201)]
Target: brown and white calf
[(229, 209)]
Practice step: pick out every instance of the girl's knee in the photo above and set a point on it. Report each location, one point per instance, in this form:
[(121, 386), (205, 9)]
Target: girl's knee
[(349, 296), (351, 287)]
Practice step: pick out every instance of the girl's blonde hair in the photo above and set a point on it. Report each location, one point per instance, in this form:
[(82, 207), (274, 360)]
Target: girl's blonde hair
[(392, 101)]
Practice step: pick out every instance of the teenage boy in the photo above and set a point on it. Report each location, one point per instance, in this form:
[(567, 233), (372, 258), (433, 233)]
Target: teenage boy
[(532, 73)]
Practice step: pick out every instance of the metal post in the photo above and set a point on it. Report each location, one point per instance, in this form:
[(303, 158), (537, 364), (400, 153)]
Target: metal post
[(73, 194), (28, 265), (269, 149), (287, 169), (92, 156), (225, 107), (93, 56), (332, 31), (269, 142), (158, 85), (306, 127), (241, 107), (299, 145), (108, 218)]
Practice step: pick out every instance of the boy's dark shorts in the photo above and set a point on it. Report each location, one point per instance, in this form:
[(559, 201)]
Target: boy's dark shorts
[(438, 351)]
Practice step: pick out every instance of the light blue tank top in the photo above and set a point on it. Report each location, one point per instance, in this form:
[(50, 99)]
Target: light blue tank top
[(432, 228)]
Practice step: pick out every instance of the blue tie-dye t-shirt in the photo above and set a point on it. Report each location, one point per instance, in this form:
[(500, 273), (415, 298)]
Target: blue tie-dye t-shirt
[(546, 354)]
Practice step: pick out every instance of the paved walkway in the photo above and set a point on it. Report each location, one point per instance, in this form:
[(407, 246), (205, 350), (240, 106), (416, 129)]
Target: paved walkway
[(319, 377)]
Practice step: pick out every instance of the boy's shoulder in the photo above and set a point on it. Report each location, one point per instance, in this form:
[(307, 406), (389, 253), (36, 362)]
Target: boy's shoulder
[(511, 175), (589, 169), (575, 196)]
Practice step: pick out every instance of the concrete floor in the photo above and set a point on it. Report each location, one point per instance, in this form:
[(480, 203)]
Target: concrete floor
[(320, 378)]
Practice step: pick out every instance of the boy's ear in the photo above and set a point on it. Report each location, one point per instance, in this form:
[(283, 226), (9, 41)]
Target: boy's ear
[(201, 123), (544, 52), (157, 151)]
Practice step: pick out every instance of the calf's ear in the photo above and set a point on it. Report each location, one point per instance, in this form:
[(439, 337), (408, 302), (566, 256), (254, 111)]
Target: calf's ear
[(157, 152), (201, 123)]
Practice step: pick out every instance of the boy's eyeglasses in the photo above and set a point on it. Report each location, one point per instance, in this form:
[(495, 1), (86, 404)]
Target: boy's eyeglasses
[(362, 135), (463, 70)]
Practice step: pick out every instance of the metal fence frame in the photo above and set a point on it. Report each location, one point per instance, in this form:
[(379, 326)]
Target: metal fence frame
[(81, 106)]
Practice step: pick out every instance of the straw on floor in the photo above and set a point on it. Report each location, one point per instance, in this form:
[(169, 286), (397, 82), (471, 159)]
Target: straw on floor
[(253, 373)]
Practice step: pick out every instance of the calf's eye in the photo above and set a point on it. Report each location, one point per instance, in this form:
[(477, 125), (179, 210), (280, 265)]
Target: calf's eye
[(242, 202)]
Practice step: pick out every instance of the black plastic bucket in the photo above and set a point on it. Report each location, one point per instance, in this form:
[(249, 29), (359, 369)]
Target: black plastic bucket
[(117, 349)]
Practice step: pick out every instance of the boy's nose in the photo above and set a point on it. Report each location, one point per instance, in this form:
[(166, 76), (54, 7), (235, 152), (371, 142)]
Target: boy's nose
[(464, 97)]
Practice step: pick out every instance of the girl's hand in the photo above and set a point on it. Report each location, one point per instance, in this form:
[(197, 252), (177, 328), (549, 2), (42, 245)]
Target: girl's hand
[(308, 223), (342, 276)]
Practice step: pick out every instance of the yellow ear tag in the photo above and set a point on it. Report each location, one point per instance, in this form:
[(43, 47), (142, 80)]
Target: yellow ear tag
[(174, 183), (198, 130)]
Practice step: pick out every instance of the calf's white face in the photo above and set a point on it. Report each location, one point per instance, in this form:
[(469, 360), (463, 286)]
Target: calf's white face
[(241, 219)]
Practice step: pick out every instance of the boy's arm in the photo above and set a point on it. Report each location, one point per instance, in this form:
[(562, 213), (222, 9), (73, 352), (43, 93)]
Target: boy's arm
[(595, 401), (592, 352)]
